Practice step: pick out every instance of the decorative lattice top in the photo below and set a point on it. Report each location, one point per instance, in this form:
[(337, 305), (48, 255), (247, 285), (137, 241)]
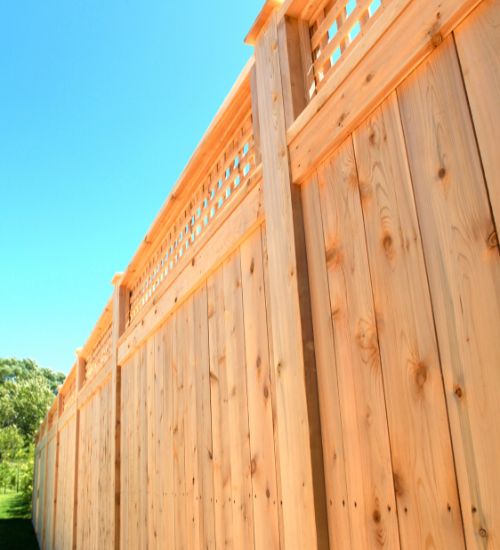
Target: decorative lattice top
[(229, 174), (100, 353), (334, 27)]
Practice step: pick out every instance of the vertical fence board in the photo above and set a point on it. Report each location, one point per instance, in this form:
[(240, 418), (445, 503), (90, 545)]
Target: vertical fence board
[(65, 487), (168, 463), (464, 276), (203, 422), (422, 458), (260, 413), (220, 413), (241, 485), (178, 444), (371, 501), (50, 494), (478, 44), (331, 415)]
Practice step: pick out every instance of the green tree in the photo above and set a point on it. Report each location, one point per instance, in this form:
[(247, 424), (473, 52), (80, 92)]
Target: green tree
[(16, 370), (26, 393)]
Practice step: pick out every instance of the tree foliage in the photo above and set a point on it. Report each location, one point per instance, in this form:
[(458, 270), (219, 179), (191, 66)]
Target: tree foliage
[(26, 393)]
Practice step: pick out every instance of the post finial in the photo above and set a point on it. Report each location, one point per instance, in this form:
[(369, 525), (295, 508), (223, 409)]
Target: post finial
[(117, 277)]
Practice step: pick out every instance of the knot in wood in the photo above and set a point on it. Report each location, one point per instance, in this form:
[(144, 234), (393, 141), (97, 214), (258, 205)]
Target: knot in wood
[(436, 39), (493, 239)]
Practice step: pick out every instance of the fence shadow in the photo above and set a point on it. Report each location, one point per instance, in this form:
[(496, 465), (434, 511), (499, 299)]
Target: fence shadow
[(16, 530)]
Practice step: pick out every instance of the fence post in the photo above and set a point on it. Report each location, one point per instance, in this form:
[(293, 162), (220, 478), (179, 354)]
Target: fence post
[(59, 410), (281, 92), (80, 380), (120, 312)]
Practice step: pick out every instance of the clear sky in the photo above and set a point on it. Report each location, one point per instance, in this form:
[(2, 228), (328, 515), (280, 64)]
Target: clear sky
[(102, 103)]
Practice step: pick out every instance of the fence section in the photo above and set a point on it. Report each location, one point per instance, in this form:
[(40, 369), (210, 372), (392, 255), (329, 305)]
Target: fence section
[(303, 353)]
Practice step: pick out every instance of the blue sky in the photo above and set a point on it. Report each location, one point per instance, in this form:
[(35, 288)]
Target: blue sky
[(101, 105)]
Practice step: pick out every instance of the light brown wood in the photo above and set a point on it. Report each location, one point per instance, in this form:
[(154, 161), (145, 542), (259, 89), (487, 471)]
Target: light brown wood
[(422, 458), (119, 321), (331, 418), (294, 84), (463, 267), (301, 529), (478, 44), (204, 420), (305, 366), (371, 500), (260, 413), (417, 30), (261, 21), (220, 413)]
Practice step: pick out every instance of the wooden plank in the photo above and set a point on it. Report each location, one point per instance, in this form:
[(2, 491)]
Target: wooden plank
[(260, 413), (478, 45), (422, 458), (331, 417), (463, 267), (294, 91), (370, 76), (124, 453), (372, 507), (119, 321), (204, 421), (152, 476), (179, 353), (272, 375), (169, 335), (163, 450), (220, 412), (104, 467), (50, 483), (142, 449), (239, 448), (300, 509), (65, 498), (191, 449)]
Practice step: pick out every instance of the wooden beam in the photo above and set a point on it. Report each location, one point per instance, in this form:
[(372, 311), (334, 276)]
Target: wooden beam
[(302, 481), (120, 315), (80, 377)]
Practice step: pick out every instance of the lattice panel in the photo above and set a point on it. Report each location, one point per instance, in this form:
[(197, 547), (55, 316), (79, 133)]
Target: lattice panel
[(100, 354), (228, 176), (334, 27)]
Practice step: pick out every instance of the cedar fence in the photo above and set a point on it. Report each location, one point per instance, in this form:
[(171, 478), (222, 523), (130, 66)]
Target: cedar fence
[(305, 350)]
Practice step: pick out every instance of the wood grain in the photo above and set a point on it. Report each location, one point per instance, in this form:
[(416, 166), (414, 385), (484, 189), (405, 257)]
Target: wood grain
[(463, 266), (422, 459), (478, 45), (371, 500)]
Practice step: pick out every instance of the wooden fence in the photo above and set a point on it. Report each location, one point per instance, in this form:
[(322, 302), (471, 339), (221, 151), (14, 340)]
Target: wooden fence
[(305, 350)]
